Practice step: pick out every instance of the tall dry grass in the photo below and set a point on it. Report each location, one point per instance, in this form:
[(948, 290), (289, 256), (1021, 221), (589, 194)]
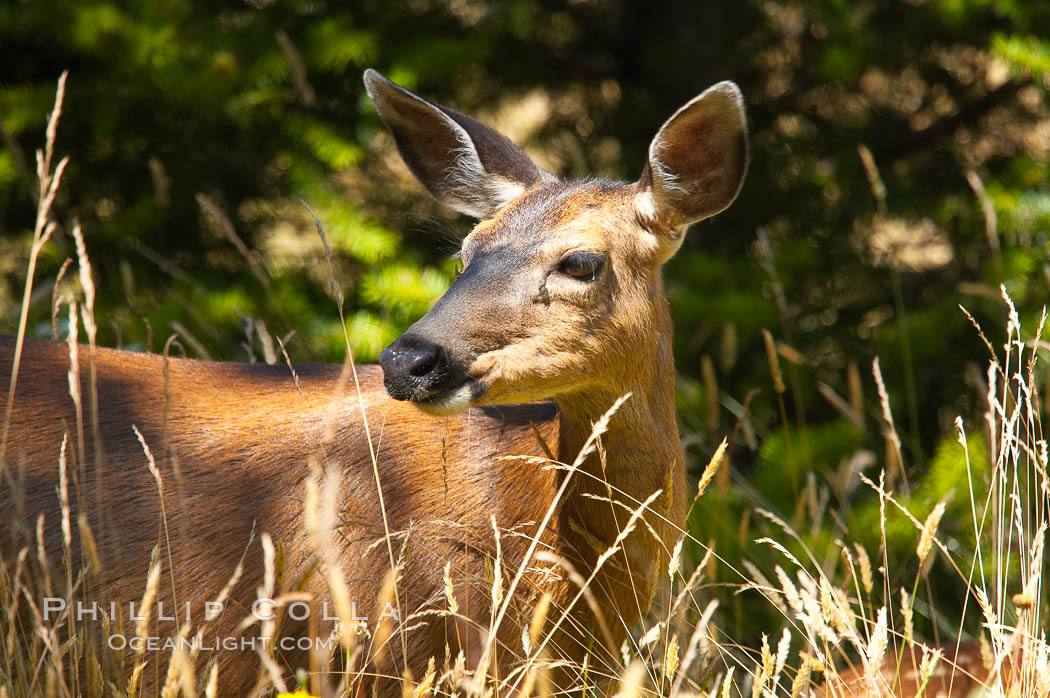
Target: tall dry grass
[(847, 632)]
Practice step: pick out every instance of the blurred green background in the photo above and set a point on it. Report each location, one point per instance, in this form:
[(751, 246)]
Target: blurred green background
[(195, 129)]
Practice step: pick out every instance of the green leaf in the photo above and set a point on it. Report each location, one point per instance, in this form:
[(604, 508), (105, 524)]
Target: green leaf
[(1025, 53)]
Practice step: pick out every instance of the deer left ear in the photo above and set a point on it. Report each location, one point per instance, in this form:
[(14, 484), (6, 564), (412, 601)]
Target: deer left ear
[(462, 162), (696, 161)]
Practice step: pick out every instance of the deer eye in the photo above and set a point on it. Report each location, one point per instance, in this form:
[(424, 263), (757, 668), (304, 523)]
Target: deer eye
[(583, 266)]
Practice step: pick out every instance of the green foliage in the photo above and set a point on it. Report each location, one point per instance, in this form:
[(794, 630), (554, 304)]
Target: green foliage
[(1029, 55), (784, 458)]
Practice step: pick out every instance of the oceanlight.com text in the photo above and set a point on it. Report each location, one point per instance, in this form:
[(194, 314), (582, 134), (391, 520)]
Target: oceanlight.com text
[(196, 643)]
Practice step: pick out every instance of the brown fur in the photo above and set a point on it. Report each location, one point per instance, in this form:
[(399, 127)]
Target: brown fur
[(240, 442)]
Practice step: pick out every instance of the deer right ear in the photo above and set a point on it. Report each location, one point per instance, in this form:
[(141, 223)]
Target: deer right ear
[(463, 163), (696, 161)]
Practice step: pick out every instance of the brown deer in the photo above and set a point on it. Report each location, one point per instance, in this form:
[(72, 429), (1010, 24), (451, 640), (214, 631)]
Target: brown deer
[(559, 299)]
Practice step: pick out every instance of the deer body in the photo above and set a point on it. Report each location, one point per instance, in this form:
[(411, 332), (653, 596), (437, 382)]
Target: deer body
[(560, 298), (223, 481)]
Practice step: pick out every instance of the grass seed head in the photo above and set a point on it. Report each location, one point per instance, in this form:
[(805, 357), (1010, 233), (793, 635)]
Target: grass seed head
[(801, 681), (774, 362), (450, 597), (712, 468), (864, 562), (929, 530), (906, 612), (671, 657)]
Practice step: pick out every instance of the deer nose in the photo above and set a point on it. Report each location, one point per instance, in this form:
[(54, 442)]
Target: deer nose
[(414, 368), (420, 362)]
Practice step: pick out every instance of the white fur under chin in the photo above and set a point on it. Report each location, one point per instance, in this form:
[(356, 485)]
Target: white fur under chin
[(452, 403)]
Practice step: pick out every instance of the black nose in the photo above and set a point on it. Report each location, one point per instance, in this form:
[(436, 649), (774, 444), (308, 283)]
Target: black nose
[(420, 362), (415, 368)]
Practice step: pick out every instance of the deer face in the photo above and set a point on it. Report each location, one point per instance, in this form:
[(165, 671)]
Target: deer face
[(560, 280)]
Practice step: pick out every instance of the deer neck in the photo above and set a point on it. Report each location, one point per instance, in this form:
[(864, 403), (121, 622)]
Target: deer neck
[(639, 454)]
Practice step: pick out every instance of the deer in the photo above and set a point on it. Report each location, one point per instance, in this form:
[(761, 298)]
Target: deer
[(442, 453)]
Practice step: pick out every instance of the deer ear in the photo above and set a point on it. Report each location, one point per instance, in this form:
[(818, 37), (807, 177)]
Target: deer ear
[(462, 162), (696, 161)]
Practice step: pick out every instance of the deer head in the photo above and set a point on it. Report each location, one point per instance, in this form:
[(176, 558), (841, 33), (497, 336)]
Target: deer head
[(560, 293)]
